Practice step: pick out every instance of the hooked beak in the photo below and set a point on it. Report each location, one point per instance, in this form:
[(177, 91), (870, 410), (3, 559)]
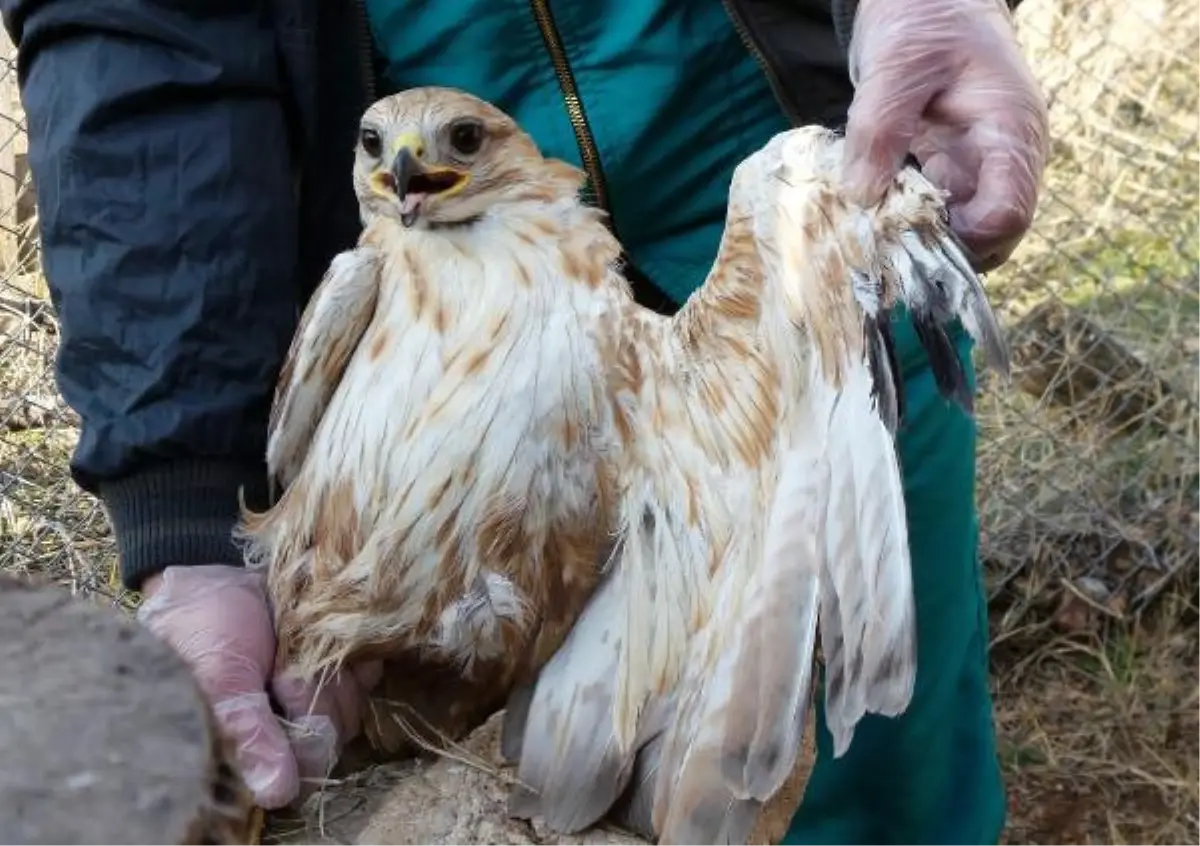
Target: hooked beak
[(414, 182), (405, 167)]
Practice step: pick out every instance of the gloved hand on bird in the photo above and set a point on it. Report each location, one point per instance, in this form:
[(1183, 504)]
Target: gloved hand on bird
[(216, 617), (945, 80)]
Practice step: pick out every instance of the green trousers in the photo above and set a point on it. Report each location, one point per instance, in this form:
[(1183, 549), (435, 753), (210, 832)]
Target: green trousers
[(930, 775)]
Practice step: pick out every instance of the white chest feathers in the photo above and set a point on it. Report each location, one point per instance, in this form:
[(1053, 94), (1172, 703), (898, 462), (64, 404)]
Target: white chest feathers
[(480, 372)]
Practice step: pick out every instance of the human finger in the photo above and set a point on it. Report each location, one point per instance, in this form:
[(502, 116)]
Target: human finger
[(262, 750)]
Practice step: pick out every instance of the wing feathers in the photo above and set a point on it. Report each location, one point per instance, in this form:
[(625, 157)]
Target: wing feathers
[(635, 810), (887, 388), (973, 307), (779, 628), (852, 404), (868, 615), (830, 559), (693, 800), (664, 574), (948, 372), (937, 284), (328, 333)]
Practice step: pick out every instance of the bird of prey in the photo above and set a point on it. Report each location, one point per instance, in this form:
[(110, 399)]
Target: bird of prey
[(514, 485)]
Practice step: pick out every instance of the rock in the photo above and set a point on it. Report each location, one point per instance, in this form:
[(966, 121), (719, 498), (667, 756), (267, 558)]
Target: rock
[(104, 735)]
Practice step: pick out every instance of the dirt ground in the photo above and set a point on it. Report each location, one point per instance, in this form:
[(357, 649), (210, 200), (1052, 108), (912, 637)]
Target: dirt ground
[(463, 800), (1099, 734)]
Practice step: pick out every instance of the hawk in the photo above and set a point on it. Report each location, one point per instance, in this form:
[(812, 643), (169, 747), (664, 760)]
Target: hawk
[(515, 486)]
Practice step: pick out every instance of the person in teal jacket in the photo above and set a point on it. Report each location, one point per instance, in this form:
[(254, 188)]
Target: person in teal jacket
[(193, 160)]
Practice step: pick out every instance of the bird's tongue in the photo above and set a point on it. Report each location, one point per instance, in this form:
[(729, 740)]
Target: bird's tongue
[(411, 203)]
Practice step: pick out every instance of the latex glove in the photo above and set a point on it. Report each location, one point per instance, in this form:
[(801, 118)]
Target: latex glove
[(216, 617), (946, 81)]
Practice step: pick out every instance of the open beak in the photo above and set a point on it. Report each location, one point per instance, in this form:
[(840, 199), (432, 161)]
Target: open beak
[(414, 182), (405, 167)]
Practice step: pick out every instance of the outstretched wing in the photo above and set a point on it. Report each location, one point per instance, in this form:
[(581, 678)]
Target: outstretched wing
[(835, 555), (899, 252), (762, 505), (329, 331)]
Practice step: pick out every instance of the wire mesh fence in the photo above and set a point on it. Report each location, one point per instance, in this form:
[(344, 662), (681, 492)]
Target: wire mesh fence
[(48, 527), (1087, 463)]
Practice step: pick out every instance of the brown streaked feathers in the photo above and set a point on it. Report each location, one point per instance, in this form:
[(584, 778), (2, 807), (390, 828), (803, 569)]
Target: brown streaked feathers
[(513, 485)]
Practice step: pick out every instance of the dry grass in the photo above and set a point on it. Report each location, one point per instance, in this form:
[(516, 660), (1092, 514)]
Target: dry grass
[(1088, 475), (47, 525), (1099, 735), (1090, 510)]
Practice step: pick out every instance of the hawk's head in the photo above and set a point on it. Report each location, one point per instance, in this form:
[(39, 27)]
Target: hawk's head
[(438, 156)]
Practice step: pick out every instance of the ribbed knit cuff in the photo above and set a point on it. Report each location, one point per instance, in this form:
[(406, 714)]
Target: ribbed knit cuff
[(179, 514)]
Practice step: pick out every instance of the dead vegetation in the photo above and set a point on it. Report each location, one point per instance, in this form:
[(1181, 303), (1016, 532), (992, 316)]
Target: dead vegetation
[(1088, 465), (1088, 476)]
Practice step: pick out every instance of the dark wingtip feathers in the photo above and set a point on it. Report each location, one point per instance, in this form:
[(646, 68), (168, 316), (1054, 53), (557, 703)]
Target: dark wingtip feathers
[(948, 371), (887, 388), (987, 328)]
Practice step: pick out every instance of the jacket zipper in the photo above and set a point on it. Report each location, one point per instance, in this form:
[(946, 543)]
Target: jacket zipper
[(646, 292), (744, 33), (566, 81), (366, 65), (579, 122)]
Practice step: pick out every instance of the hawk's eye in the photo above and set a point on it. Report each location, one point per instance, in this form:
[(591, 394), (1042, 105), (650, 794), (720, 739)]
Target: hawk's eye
[(372, 144), (466, 137)]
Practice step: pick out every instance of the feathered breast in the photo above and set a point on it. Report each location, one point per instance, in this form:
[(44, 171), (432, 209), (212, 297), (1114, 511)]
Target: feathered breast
[(459, 451)]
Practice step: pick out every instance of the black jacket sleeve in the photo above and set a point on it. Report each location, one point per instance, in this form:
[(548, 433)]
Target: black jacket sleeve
[(159, 149)]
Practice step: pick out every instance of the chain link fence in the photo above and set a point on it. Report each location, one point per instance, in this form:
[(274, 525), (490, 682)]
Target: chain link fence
[(1087, 462), (48, 527)]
